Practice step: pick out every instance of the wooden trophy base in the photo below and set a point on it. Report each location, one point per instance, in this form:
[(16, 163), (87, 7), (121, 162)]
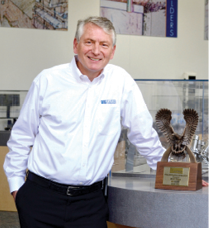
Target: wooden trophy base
[(178, 176)]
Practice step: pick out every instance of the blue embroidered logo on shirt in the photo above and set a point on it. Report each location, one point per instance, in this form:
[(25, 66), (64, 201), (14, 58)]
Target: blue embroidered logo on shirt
[(108, 101)]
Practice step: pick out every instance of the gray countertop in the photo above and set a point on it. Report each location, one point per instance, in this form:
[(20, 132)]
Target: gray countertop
[(133, 201)]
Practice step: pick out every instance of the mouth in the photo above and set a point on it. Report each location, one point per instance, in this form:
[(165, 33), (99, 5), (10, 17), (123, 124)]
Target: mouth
[(94, 59)]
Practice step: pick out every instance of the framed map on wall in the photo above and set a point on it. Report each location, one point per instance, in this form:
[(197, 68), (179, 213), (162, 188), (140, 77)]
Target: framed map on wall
[(142, 17), (34, 14)]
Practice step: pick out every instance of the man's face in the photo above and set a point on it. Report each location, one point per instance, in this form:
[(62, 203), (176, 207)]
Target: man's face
[(94, 50)]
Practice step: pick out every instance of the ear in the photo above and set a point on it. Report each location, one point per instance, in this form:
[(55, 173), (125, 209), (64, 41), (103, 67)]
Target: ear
[(75, 46), (113, 52)]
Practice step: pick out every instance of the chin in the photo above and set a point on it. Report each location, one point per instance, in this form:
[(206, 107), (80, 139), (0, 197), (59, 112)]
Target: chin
[(95, 69)]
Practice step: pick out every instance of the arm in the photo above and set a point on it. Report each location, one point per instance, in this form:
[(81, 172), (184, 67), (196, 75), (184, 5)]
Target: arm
[(21, 140), (136, 117)]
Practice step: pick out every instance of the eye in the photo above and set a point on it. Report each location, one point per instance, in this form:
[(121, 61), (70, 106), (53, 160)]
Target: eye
[(105, 45), (88, 42)]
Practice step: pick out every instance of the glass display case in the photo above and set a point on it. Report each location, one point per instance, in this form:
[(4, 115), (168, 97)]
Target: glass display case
[(175, 95), (10, 104)]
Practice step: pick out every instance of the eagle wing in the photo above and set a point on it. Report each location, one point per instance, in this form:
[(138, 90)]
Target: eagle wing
[(191, 118), (163, 118)]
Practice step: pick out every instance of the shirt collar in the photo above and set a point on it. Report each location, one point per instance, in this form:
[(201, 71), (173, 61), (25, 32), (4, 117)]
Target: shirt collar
[(76, 71)]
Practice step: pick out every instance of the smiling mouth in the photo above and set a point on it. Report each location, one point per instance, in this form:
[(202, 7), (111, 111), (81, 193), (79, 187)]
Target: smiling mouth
[(94, 59)]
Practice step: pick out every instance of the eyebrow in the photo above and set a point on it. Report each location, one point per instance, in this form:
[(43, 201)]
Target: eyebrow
[(103, 41)]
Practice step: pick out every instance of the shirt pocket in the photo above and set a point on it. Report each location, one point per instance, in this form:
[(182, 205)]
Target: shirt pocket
[(109, 119)]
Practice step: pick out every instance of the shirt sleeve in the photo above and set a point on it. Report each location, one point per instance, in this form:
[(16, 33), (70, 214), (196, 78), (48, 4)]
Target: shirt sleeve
[(21, 139), (137, 119)]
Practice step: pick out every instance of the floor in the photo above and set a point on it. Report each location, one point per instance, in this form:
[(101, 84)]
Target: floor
[(9, 219)]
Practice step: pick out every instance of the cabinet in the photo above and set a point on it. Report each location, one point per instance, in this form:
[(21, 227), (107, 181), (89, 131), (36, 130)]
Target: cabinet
[(6, 200)]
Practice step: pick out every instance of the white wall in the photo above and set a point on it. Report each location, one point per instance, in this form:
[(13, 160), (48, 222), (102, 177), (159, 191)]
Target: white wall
[(25, 52)]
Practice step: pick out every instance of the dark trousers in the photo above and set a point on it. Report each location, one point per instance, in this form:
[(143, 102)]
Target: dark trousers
[(40, 207)]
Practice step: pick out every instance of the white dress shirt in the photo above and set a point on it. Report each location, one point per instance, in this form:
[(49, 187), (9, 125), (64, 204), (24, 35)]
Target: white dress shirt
[(73, 126)]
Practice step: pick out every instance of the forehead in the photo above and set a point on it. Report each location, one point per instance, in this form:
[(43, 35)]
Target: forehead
[(93, 31)]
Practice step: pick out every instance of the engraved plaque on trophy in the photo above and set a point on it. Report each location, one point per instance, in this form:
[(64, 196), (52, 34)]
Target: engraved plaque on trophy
[(178, 175)]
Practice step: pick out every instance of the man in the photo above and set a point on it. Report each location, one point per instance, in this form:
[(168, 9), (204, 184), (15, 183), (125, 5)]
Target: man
[(68, 130)]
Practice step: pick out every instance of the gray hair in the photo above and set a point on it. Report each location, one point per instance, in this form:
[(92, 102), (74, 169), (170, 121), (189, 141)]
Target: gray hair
[(102, 22)]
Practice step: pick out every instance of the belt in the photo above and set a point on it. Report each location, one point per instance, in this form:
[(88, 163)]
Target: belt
[(70, 190)]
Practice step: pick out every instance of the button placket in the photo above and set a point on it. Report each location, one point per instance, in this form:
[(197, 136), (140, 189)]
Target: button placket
[(86, 129)]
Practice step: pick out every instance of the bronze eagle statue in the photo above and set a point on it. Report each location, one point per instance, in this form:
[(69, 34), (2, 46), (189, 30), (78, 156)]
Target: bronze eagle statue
[(178, 143)]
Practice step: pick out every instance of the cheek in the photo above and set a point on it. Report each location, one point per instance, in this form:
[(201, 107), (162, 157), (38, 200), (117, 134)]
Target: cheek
[(110, 55), (83, 51)]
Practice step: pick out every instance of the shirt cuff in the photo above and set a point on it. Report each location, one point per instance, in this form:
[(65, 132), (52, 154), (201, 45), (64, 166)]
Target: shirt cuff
[(15, 183)]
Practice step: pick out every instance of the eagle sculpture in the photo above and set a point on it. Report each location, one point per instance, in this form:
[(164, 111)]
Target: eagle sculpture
[(178, 143)]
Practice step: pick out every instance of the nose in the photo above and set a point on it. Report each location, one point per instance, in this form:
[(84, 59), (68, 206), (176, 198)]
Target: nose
[(95, 49)]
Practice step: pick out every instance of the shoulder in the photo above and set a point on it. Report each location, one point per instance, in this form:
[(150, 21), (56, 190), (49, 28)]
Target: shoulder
[(56, 69), (53, 73), (114, 69), (119, 74)]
